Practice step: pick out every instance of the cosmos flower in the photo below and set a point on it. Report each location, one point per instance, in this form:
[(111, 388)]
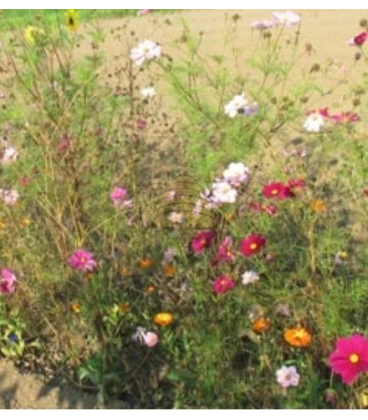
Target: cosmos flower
[(175, 217), (7, 281), (252, 244), (235, 106), (118, 196), (82, 260), (359, 39), (148, 338), (223, 192), (318, 206), (169, 255), (314, 122), (350, 357), (262, 24), (277, 190), (236, 173), (148, 92), (202, 240), (9, 197), (287, 376), (146, 50), (341, 257), (250, 277), (223, 284), (344, 118), (224, 253), (286, 19)]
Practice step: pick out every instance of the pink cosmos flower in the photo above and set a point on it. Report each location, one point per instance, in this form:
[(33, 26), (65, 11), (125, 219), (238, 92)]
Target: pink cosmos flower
[(277, 190), (224, 253), (223, 284), (202, 240), (82, 260), (262, 24), (146, 50), (150, 339), (7, 281), (252, 244), (350, 357), (259, 207), (286, 19), (169, 255), (287, 376), (118, 196), (296, 183), (9, 155), (9, 197), (344, 118), (359, 39)]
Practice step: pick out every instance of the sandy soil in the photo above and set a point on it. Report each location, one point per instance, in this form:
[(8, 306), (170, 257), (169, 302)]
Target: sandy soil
[(328, 32)]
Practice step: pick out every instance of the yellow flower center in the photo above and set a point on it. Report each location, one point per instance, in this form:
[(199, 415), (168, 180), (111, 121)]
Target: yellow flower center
[(274, 192), (354, 358), (253, 246)]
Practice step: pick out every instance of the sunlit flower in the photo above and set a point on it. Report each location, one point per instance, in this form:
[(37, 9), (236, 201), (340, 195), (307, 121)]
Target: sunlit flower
[(82, 260), (314, 122), (252, 244), (261, 325), (146, 50), (9, 155), (202, 240), (223, 192), (236, 173), (71, 19), (223, 284), (7, 281), (148, 92), (350, 357), (164, 319), (235, 106), (359, 39), (286, 19), (250, 277), (318, 206), (287, 376), (118, 196), (262, 24), (298, 337), (277, 190), (75, 307)]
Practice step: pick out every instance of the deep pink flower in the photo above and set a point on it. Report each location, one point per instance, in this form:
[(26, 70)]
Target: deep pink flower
[(202, 240), (277, 190), (224, 253), (252, 244), (296, 183), (359, 39), (118, 195), (322, 111), (7, 281), (350, 357), (141, 124), (223, 284), (82, 260), (344, 118)]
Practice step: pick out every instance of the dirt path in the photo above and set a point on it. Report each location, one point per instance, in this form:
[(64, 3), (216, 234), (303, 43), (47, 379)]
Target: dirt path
[(328, 32)]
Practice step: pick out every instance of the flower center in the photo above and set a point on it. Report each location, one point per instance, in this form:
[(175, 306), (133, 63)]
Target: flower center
[(83, 260), (274, 192), (253, 246), (354, 358)]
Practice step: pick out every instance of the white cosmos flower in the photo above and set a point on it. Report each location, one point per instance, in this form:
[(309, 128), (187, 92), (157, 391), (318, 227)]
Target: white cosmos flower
[(233, 107), (148, 92), (10, 155), (10, 197), (176, 217), (223, 192), (286, 19), (250, 277), (236, 173), (314, 122), (146, 50)]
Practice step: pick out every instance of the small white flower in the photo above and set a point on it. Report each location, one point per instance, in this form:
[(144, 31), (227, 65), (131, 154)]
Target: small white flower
[(236, 173), (176, 217), (250, 277), (139, 334), (146, 50), (286, 19), (10, 197), (314, 122), (9, 155), (223, 192), (235, 105), (148, 92), (287, 376)]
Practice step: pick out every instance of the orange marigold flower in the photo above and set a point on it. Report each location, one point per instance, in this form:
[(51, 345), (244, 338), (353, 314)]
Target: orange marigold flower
[(75, 307), (163, 318), (169, 270), (150, 289), (318, 206), (261, 325), (146, 263), (298, 337)]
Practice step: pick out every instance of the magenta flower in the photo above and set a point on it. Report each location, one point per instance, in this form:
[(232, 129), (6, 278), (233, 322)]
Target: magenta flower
[(202, 240), (7, 281), (82, 260), (118, 196), (344, 118), (223, 284), (224, 253), (350, 357)]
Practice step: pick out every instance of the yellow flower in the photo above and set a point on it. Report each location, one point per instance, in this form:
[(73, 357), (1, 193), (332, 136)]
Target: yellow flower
[(71, 20), (318, 206), (164, 319), (30, 34), (75, 307), (26, 221), (169, 270)]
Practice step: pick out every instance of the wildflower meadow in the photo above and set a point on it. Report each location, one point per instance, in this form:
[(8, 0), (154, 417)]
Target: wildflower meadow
[(185, 229)]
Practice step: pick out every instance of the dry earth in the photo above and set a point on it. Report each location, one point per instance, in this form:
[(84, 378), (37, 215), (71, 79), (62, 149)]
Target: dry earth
[(328, 32)]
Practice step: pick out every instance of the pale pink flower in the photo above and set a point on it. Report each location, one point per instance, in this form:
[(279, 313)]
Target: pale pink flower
[(236, 173), (262, 24), (82, 260), (7, 281), (150, 339), (146, 50), (250, 277), (169, 255), (286, 19), (10, 155), (287, 376), (176, 217), (235, 106), (10, 197), (223, 192), (118, 196)]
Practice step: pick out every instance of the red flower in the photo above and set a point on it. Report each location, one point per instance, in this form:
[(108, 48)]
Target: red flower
[(359, 39), (223, 284), (258, 208), (252, 244), (277, 190), (202, 240), (224, 253)]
